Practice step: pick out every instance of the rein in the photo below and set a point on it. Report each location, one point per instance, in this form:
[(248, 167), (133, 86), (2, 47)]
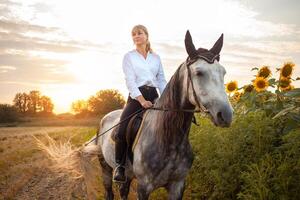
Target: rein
[(137, 112), (188, 62)]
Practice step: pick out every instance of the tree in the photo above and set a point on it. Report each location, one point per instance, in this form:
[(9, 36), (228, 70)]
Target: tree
[(105, 101), (34, 105), (21, 102), (46, 104), (8, 113), (80, 108)]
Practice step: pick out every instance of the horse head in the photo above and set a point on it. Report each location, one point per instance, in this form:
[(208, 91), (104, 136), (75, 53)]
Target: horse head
[(205, 81)]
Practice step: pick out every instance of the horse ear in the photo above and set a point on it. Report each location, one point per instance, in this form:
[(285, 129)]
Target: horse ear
[(189, 46), (216, 49)]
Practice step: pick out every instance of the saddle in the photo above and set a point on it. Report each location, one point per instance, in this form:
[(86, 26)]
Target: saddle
[(131, 132)]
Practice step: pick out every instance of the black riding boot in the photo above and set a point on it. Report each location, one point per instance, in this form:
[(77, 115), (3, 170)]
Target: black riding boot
[(119, 172)]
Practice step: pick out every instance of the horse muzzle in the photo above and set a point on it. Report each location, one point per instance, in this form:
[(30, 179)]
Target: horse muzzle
[(223, 116)]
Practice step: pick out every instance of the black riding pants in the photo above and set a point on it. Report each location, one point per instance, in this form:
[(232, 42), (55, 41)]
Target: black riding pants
[(132, 105)]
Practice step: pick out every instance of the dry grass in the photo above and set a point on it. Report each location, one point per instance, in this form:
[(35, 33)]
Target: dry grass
[(24, 169), (53, 121), (26, 172)]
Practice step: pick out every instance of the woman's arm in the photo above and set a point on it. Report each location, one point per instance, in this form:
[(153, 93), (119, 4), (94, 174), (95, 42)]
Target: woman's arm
[(130, 77), (161, 80)]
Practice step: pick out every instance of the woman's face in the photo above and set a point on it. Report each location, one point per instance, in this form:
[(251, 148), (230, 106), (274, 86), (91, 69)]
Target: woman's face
[(139, 37)]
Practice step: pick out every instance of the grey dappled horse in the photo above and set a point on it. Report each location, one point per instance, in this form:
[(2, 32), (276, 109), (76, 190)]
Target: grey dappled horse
[(162, 152)]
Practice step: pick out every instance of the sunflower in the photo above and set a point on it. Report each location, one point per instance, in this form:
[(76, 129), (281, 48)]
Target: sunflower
[(287, 70), (260, 84), (288, 88), (284, 82), (264, 72), (231, 86), (248, 88)]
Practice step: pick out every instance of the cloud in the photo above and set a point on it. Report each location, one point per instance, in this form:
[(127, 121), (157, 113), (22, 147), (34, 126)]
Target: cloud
[(24, 43), (23, 27), (33, 69), (277, 11), (41, 7)]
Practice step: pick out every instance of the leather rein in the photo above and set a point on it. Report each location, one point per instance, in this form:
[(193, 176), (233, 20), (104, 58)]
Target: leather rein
[(188, 63)]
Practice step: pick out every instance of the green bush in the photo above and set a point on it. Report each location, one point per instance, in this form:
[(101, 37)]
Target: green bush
[(253, 159), (8, 113)]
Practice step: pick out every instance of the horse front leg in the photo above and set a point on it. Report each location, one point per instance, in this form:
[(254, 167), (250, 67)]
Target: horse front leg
[(176, 190), (124, 189), (143, 192), (106, 178)]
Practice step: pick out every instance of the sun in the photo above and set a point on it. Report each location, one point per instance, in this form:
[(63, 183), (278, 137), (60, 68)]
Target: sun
[(92, 71), (95, 67)]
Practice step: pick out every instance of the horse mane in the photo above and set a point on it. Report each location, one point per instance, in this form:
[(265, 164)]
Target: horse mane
[(169, 123)]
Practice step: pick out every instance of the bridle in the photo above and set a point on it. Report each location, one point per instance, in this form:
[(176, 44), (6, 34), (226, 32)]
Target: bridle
[(189, 61)]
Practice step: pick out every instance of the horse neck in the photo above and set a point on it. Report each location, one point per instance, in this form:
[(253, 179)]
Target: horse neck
[(175, 124), (174, 96)]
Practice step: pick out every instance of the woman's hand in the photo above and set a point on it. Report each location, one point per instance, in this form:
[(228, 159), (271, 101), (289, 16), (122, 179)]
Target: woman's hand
[(147, 104), (144, 102)]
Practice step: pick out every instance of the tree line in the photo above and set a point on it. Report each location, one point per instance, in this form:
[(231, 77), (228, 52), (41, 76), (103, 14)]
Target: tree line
[(34, 104), (26, 104), (99, 104)]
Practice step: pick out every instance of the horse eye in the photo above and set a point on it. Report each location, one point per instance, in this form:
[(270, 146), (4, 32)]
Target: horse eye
[(198, 73)]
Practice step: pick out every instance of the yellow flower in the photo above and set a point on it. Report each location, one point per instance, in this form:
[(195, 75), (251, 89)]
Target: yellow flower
[(248, 88), (260, 84), (287, 70), (231, 86), (284, 82), (288, 88), (264, 72)]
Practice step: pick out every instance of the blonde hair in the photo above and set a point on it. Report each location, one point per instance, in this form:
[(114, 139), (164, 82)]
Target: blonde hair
[(143, 28)]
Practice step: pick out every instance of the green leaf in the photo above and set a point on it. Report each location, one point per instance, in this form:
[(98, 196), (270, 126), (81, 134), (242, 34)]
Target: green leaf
[(254, 68), (295, 117), (272, 81), (284, 112), (290, 125), (293, 93)]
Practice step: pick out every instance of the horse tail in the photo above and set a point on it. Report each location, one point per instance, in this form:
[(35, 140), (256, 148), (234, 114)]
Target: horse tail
[(77, 162)]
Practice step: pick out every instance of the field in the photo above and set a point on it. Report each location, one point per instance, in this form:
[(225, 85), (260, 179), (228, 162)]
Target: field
[(258, 157), (25, 171)]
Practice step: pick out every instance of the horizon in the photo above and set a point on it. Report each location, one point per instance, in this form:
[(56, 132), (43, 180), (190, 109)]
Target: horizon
[(70, 54)]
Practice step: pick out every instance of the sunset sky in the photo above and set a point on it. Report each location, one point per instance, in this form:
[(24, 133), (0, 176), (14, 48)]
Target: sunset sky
[(70, 49)]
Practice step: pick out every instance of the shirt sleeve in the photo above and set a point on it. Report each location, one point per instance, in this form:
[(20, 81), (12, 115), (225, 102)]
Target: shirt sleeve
[(161, 80), (130, 77)]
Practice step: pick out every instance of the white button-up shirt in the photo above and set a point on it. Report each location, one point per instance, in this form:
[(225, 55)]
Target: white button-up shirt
[(139, 71)]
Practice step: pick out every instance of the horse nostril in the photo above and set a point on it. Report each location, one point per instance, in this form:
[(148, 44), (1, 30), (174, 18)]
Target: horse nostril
[(220, 117)]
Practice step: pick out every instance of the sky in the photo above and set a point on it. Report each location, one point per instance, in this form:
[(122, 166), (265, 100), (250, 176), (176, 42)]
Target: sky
[(69, 50)]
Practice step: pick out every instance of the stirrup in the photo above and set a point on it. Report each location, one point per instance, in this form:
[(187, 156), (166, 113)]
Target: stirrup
[(114, 173)]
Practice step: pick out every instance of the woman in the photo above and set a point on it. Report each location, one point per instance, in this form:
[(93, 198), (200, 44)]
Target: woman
[(143, 74)]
